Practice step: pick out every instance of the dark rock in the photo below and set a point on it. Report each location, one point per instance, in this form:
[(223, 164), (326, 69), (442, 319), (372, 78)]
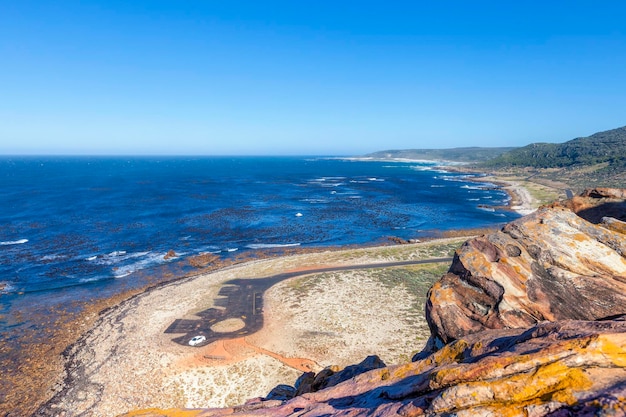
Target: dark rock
[(334, 378), (397, 240), (304, 383), (282, 393), (170, 254)]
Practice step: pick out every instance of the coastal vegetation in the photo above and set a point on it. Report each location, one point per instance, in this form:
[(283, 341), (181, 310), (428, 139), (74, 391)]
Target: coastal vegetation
[(598, 160), (465, 154), (607, 149)]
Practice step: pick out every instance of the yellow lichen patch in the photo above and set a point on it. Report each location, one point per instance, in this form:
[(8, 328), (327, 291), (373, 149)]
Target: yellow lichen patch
[(450, 353), (155, 412), (500, 366), (580, 237), (553, 382), (614, 349), (410, 369), (442, 293)]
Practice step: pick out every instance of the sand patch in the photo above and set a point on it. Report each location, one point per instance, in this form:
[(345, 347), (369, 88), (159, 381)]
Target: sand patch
[(341, 318), (228, 325)]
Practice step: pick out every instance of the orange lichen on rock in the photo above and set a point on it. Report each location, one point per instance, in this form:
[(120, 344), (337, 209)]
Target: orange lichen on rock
[(551, 265), (155, 412)]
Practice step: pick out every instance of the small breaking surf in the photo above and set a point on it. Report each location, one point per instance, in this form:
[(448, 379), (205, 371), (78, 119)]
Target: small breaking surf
[(6, 287), (13, 242), (115, 257), (271, 245), (149, 259)]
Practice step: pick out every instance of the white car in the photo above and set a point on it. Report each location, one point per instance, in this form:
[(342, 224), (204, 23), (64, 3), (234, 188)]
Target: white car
[(196, 340)]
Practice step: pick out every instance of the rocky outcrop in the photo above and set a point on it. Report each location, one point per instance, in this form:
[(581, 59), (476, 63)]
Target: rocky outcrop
[(529, 321), (202, 260), (551, 369), (596, 203), (170, 255), (551, 265)]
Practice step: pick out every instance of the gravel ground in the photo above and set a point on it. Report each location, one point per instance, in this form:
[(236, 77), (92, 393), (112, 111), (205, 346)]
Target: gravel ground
[(126, 361)]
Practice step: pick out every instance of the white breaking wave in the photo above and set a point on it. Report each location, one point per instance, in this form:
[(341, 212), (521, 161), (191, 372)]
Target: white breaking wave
[(421, 168), (6, 287), (270, 245), (47, 258), (152, 259), (92, 279), (14, 242), (115, 257)]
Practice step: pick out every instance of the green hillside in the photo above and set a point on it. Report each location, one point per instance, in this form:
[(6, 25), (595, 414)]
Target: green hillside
[(607, 147), (598, 160), (468, 155)]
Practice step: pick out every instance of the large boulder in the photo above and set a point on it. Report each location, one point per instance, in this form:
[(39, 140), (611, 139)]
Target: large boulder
[(551, 265)]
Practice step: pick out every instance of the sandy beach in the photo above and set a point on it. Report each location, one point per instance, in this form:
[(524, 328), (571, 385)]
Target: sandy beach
[(522, 200), (527, 193), (127, 361)]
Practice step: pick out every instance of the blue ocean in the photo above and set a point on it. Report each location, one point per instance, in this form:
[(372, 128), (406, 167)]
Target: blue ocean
[(78, 228)]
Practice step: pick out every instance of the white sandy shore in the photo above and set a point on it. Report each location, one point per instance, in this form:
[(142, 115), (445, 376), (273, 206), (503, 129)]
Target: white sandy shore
[(523, 202), (127, 361)]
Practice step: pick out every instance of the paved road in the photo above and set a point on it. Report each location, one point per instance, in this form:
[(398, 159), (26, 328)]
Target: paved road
[(242, 298)]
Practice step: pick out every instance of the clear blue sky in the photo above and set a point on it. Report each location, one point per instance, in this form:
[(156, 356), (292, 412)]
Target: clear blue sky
[(306, 77)]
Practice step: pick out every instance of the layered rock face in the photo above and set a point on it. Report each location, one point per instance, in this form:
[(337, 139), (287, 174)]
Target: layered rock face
[(529, 321), (551, 265)]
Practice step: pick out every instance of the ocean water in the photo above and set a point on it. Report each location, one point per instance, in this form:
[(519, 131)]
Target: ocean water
[(78, 228)]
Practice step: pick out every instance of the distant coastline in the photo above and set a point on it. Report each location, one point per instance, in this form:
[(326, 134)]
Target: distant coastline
[(522, 201)]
